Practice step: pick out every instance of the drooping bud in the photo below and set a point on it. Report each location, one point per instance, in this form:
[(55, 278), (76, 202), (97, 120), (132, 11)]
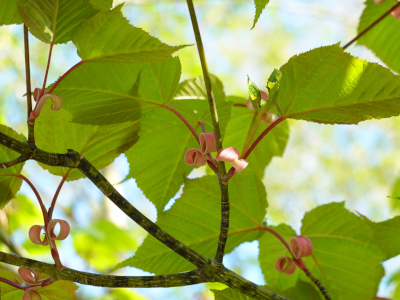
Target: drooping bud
[(29, 276), (285, 265), (36, 93), (64, 229), (207, 142), (57, 103), (396, 13), (194, 157), (232, 156), (34, 235), (301, 246), (31, 294)]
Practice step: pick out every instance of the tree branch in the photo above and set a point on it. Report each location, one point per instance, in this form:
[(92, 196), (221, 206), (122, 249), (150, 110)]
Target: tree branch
[(74, 160), (18, 160), (371, 26), (223, 236), (170, 280), (207, 270), (244, 286)]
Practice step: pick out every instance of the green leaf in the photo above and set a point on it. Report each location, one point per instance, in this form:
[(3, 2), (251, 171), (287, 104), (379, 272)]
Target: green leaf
[(260, 5), (229, 294), (383, 39), (100, 243), (303, 291), (59, 290), (48, 18), (386, 236), (9, 185), (195, 89), (347, 262), (99, 144), (395, 195), (102, 5), (327, 85), (108, 93), (108, 36), (9, 12), (239, 128), (195, 220), (157, 160), (270, 250)]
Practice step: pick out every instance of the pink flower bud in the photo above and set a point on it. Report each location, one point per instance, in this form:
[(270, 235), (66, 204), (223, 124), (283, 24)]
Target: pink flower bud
[(36, 93), (34, 235), (232, 155), (396, 13), (29, 276), (285, 265), (194, 157), (378, 1), (268, 117), (64, 229), (57, 103), (207, 142), (31, 294), (301, 246)]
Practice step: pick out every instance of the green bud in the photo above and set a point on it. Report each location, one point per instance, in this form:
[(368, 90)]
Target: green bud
[(254, 92)]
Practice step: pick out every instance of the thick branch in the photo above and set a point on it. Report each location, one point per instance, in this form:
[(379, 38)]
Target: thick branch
[(170, 280), (108, 190), (74, 160), (214, 116), (244, 286)]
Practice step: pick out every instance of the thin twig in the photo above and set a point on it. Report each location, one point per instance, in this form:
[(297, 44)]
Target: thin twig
[(31, 130), (184, 121), (11, 163), (43, 208), (223, 236), (371, 26), (260, 137), (47, 68), (27, 72), (53, 203)]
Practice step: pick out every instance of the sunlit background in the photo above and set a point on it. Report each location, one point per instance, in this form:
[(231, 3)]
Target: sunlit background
[(321, 164)]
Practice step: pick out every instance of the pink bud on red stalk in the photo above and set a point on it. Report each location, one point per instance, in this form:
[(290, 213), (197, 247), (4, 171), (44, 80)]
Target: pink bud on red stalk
[(232, 156), (301, 246), (194, 157), (29, 276), (31, 294), (34, 232), (207, 142), (285, 265)]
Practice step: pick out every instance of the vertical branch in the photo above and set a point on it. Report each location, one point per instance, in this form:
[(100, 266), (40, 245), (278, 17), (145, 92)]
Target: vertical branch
[(31, 132), (223, 236)]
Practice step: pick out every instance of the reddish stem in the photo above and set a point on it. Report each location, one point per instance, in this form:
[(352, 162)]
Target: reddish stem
[(53, 203), (65, 75), (264, 133), (16, 285), (47, 70), (44, 211), (184, 121), (278, 236)]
